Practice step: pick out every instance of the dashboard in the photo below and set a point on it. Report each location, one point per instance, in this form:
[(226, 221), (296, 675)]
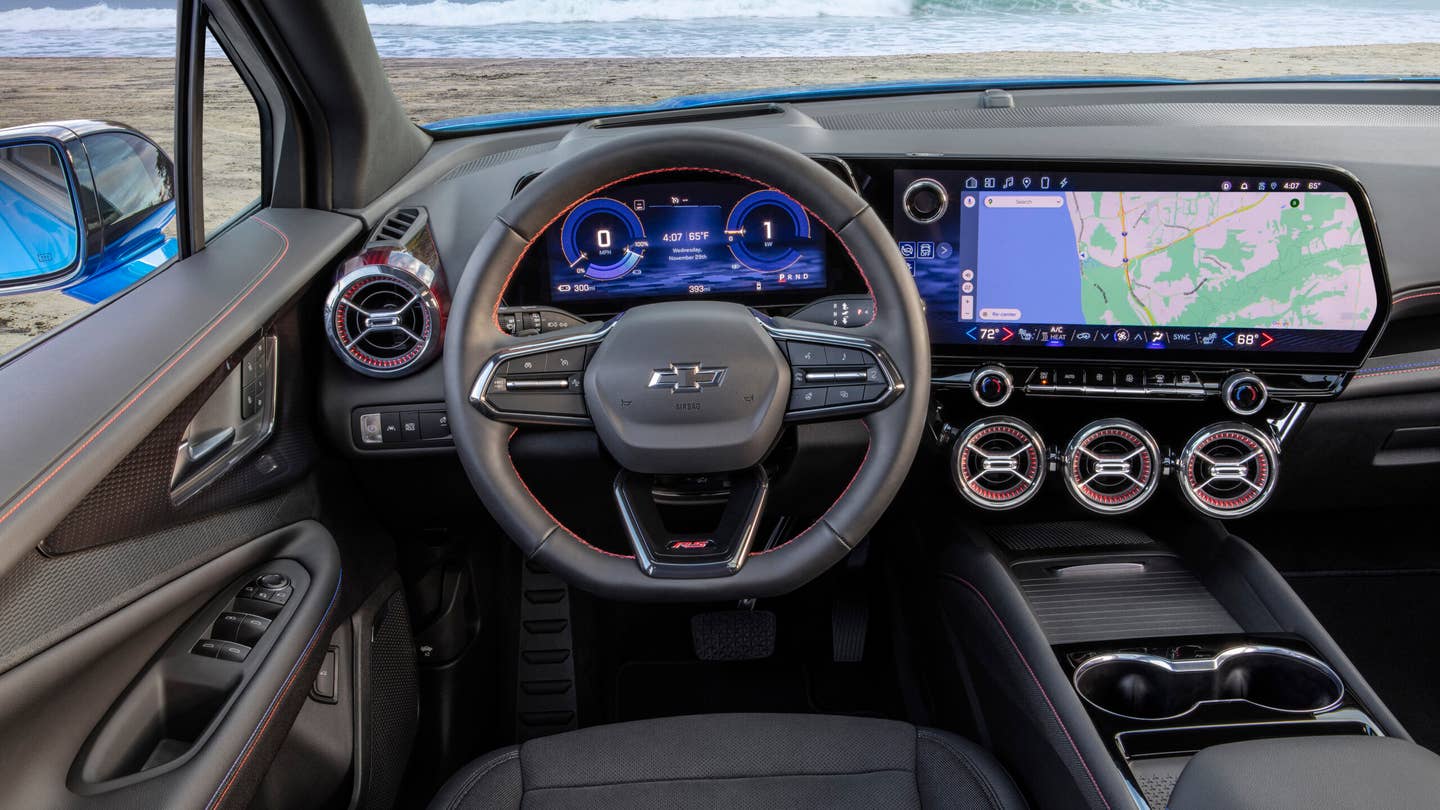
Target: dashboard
[(1207, 258)]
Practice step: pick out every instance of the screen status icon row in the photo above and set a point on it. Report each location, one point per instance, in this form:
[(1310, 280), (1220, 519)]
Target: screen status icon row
[(1022, 182)]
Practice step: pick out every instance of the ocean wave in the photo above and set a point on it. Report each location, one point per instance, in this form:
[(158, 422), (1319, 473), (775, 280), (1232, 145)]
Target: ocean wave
[(452, 14), (98, 17), (485, 13)]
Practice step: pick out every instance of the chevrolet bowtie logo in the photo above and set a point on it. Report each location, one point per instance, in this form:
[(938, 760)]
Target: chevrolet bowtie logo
[(687, 378)]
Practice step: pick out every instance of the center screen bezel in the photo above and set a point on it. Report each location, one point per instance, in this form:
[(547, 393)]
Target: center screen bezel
[(885, 190)]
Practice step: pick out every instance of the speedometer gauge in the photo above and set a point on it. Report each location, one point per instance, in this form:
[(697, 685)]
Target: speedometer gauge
[(764, 227), (603, 239)]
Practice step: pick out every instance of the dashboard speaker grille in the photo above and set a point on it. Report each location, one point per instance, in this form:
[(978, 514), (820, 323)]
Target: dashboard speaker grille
[(383, 317), (1228, 470), (999, 463), (1112, 466)]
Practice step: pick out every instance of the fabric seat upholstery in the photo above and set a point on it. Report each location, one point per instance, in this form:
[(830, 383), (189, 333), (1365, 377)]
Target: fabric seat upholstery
[(737, 761)]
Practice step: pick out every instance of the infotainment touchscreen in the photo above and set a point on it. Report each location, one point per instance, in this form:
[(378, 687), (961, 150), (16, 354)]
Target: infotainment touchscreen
[(691, 239), (1106, 262)]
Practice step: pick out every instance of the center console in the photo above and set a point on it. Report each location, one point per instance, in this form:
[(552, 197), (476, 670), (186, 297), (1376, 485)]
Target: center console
[(1127, 647)]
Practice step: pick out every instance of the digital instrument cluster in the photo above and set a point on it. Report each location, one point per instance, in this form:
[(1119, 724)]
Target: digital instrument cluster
[(1083, 263), (690, 239)]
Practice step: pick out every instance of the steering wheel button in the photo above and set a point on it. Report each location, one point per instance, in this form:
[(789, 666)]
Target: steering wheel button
[(874, 392), (572, 359), (844, 356), (529, 364), (844, 394), (807, 354), (807, 398)]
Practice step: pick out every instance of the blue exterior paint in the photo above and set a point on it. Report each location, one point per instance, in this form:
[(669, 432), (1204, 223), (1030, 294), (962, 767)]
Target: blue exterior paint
[(495, 121), (139, 252)]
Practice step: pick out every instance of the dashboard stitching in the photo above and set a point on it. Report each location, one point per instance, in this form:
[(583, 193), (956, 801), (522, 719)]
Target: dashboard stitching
[(1038, 684), (553, 519), (279, 256), (1426, 367), (232, 774), (1413, 296), (529, 243)]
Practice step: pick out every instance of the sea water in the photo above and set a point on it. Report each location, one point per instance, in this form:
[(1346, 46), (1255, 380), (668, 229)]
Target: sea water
[(589, 29)]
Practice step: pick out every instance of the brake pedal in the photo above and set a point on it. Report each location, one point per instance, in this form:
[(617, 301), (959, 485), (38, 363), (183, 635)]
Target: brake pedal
[(733, 635)]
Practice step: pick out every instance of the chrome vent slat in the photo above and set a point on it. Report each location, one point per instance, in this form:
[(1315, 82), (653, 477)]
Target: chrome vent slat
[(1112, 466), (1228, 469), (384, 317), (999, 463)]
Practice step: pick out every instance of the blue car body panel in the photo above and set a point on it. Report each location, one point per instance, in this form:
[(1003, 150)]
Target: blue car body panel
[(507, 120), (139, 252)]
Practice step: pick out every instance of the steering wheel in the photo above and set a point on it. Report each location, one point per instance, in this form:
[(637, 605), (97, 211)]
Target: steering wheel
[(688, 387)]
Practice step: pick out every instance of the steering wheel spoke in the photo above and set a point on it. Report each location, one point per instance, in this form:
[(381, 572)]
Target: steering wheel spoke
[(834, 373), (538, 381), (719, 551)]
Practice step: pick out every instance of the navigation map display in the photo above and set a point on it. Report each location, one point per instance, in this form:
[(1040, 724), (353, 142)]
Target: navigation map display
[(1142, 261)]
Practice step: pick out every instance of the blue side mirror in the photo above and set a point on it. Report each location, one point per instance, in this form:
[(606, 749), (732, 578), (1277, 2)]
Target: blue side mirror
[(39, 212), (86, 207)]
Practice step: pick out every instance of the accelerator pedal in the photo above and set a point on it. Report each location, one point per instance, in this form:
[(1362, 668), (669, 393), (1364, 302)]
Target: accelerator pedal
[(733, 635)]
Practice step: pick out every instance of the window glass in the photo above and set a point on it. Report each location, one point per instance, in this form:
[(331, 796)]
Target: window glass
[(230, 141), (460, 58), (86, 61)]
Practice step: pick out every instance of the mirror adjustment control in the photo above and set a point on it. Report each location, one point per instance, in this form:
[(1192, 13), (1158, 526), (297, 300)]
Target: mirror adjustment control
[(273, 582), (992, 386)]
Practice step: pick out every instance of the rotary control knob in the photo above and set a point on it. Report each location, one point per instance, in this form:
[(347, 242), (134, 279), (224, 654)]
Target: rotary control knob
[(272, 582), (925, 201), (1244, 393), (992, 386)]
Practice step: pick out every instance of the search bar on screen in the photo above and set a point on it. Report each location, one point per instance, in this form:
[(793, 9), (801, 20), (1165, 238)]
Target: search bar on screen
[(1024, 201)]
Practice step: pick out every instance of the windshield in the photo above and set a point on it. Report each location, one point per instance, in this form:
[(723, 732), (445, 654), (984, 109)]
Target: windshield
[(450, 59)]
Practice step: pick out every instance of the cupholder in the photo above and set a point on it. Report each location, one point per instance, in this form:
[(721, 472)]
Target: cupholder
[(1149, 687)]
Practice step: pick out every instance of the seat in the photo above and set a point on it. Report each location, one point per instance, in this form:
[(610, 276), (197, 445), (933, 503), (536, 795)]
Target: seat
[(737, 761)]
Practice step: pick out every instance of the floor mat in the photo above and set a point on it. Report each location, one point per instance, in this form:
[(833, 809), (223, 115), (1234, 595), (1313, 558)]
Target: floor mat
[(1385, 623)]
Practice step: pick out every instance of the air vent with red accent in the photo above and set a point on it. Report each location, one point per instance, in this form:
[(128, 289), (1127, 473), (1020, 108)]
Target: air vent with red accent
[(999, 463), (385, 317), (1228, 470), (1112, 466)]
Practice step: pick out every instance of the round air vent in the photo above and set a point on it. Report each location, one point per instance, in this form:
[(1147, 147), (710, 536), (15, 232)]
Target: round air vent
[(1228, 470), (383, 316), (999, 463), (1112, 466)]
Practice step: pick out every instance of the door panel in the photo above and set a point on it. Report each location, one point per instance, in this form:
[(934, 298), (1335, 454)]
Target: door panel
[(53, 703), (107, 584), (79, 402)]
